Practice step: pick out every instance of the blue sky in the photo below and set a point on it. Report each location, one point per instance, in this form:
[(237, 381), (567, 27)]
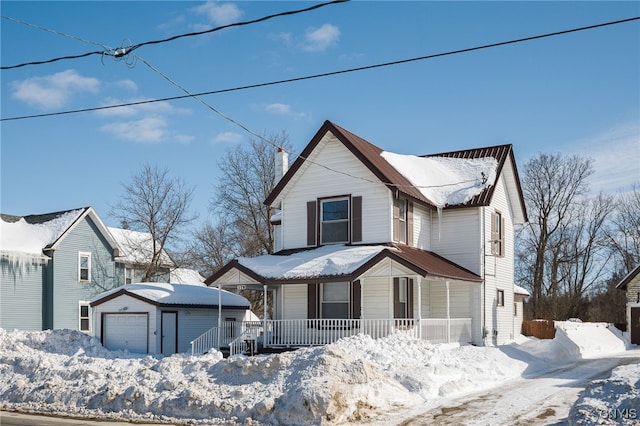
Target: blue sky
[(577, 93)]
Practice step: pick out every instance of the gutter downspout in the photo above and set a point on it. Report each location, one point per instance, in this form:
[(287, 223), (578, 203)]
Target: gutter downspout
[(482, 275)]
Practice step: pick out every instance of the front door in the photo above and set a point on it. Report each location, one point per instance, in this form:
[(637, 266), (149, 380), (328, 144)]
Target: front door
[(634, 327), (169, 329)]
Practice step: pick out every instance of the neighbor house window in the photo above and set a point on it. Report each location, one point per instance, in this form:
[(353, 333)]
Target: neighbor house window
[(84, 317), (128, 275), (334, 221), (500, 300), (84, 266), (334, 300)]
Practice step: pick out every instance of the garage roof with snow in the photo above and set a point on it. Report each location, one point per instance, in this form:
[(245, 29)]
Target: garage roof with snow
[(175, 295)]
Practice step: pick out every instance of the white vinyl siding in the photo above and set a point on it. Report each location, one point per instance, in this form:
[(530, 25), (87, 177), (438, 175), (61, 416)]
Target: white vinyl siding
[(456, 235), (499, 272), (294, 297), (313, 182), (377, 297), (421, 227)]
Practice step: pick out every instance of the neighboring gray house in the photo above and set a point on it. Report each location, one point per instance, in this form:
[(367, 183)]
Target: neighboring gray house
[(136, 248), (53, 264), (631, 284)]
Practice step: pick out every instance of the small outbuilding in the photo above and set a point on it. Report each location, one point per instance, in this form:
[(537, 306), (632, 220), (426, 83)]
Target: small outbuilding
[(631, 285), (161, 318)]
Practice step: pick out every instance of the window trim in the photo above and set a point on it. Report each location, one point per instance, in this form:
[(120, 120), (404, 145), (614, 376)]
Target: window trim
[(321, 221), (81, 255), (500, 298), (82, 303), (497, 234), (321, 301)]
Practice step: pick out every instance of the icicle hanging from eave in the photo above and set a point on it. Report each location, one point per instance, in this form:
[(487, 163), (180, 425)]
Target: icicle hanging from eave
[(21, 262)]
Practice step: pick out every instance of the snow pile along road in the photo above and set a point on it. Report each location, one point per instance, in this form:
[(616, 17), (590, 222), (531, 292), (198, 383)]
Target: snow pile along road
[(69, 373), (612, 401)]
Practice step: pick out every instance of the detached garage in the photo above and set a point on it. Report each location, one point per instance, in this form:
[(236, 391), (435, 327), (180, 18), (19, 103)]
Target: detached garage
[(162, 318)]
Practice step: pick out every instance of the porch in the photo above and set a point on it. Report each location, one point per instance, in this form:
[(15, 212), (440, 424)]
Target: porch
[(238, 336)]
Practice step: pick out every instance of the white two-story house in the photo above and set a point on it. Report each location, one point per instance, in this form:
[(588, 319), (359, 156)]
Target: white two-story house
[(373, 242)]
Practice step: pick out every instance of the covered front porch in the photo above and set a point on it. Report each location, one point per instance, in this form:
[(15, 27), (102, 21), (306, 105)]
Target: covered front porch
[(378, 290)]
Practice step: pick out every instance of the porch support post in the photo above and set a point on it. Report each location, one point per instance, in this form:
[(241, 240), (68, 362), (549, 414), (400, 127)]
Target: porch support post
[(419, 282), (264, 316), (219, 314), (448, 314), (362, 300)]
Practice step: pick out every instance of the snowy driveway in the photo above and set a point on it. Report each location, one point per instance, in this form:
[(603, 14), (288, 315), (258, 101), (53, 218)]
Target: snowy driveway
[(543, 399)]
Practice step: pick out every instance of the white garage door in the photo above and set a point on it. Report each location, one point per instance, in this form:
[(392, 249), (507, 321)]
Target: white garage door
[(125, 331)]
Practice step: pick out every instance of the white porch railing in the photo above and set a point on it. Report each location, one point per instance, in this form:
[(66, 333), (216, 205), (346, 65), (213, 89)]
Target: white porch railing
[(315, 332), (229, 331)]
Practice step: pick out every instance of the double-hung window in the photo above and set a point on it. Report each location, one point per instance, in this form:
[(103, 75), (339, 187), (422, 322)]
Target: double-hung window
[(335, 300), (84, 319), (334, 220), (84, 267), (401, 205)]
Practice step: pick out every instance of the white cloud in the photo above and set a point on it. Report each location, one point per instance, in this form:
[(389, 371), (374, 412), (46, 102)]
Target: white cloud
[(226, 137), (127, 84), (55, 90), (616, 155), (277, 108), (220, 13), (146, 130), (132, 110), (318, 39)]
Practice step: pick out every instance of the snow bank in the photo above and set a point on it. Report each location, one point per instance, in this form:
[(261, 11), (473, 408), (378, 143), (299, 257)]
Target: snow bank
[(612, 401), (68, 373), (589, 339)]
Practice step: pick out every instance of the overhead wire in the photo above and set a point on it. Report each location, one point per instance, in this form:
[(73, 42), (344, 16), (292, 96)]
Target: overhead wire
[(328, 74), (273, 144), (124, 50)]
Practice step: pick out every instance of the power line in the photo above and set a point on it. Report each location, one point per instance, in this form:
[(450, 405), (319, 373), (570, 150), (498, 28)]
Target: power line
[(328, 74), (125, 50)]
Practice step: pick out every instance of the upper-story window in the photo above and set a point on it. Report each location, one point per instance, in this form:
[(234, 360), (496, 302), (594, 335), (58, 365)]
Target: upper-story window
[(334, 221), (401, 206), (84, 267), (497, 234)]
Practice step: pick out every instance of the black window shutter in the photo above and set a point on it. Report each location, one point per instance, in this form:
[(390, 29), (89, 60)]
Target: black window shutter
[(311, 223), (356, 304), (356, 219), (396, 297)]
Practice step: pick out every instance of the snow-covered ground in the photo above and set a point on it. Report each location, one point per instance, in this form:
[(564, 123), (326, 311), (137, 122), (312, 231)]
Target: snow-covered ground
[(356, 380)]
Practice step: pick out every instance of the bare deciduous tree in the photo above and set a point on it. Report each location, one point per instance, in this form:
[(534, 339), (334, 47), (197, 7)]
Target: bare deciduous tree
[(624, 234), (155, 203), (553, 187), (248, 177)]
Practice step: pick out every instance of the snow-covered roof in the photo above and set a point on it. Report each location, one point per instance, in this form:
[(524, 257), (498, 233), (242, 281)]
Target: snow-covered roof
[(519, 290), (186, 276), (443, 180), (174, 294), (137, 247), (328, 260), (21, 236)]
